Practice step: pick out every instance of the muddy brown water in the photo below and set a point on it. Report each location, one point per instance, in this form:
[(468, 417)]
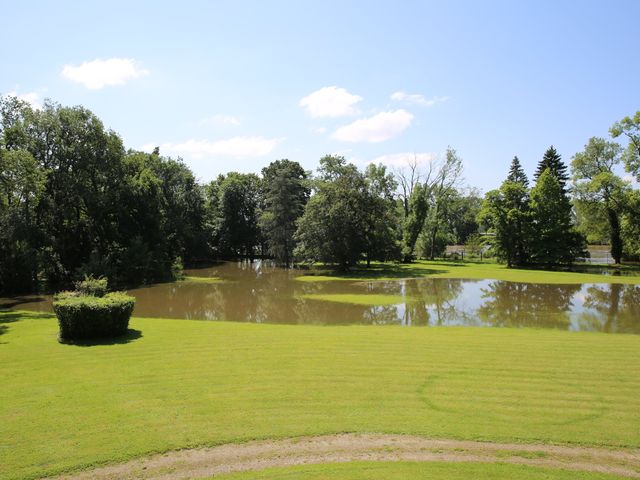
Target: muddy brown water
[(260, 293)]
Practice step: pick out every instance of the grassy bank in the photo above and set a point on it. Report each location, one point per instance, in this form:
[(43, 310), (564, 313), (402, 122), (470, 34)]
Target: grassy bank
[(628, 275), (415, 470), (180, 383)]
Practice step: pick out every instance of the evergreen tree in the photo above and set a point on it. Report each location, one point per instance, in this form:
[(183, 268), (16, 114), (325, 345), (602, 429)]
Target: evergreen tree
[(555, 239), (285, 194), (553, 162), (516, 173)]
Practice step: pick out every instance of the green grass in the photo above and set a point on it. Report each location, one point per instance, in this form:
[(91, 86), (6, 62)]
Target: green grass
[(414, 470), (202, 279), (359, 298), (183, 383), (474, 270)]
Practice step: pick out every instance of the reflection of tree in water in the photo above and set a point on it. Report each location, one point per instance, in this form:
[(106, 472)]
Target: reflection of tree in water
[(433, 302), (510, 304), (617, 309)]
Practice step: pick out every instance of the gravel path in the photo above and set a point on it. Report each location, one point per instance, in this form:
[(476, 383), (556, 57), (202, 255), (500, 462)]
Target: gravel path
[(257, 455)]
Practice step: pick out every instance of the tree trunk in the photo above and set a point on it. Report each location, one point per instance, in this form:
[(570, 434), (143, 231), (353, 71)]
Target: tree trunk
[(616, 240)]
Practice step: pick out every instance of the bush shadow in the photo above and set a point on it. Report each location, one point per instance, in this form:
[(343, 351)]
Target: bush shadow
[(131, 336)]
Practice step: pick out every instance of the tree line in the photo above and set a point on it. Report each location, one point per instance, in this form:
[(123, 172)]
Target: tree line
[(74, 201)]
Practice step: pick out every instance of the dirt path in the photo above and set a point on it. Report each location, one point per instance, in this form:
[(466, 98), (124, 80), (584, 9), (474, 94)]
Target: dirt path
[(205, 462)]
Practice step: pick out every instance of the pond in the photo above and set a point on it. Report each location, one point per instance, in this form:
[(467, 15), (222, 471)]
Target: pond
[(257, 292)]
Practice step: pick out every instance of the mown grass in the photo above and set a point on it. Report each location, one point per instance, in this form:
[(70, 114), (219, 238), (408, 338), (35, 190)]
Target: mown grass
[(475, 270), (415, 470), (207, 280), (358, 298), (184, 383)]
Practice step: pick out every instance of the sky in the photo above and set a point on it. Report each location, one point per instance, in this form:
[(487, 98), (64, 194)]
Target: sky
[(235, 85)]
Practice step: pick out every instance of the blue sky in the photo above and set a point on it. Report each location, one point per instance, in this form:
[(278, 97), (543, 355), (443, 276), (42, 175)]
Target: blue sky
[(235, 85)]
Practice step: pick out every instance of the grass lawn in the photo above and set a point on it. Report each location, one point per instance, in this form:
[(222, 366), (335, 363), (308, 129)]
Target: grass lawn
[(476, 270), (181, 383), (417, 471)]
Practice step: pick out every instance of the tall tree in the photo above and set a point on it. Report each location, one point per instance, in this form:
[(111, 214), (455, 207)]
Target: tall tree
[(285, 194), (596, 183), (381, 221), (443, 191), (630, 127), (332, 228), (553, 161), (555, 239), (516, 173), (505, 212)]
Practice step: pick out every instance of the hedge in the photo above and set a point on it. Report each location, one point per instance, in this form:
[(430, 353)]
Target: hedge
[(85, 316)]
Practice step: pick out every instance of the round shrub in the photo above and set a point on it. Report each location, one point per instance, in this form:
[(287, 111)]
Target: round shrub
[(96, 287), (84, 316)]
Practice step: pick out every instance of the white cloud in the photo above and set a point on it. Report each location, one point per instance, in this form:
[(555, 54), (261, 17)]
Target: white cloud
[(417, 99), (232, 147), (330, 102), (99, 73), (378, 128), (33, 98), (220, 119), (404, 159), (319, 130)]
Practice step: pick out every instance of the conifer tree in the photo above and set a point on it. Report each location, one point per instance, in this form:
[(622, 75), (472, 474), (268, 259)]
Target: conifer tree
[(554, 163), (516, 173), (555, 239)]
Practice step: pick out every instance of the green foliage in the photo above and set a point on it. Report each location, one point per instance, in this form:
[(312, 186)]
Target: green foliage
[(286, 192), (87, 317), (177, 269), (630, 127), (73, 202), (91, 286), (506, 213), (597, 185), (555, 239), (233, 211), (552, 161), (516, 173), (332, 228)]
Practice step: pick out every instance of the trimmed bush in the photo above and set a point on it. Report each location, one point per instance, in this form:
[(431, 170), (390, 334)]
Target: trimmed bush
[(84, 317), (96, 287)]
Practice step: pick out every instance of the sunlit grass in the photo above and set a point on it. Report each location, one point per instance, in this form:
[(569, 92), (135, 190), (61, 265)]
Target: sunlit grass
[(414, 471), (183, 383), (470, 270), (359, 299)]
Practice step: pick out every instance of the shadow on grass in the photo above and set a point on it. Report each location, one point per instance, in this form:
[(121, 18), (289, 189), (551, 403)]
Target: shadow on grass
[(11, 317), (131, 336)]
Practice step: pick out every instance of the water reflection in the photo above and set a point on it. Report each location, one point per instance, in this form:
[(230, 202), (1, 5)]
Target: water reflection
[(258, 292)]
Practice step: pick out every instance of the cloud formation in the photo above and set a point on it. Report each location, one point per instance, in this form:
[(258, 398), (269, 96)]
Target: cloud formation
[(378, 128), (417, 99), (232, 147), (99, 73), (330, 102)]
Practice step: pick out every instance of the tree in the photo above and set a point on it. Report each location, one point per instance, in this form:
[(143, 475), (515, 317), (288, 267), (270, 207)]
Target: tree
[(555, 239), (506, 212), (554, 163), (443, 191), (333, 226), (630, 127), (516, 173), (21, 188), (381, 223), (234, 201), (285, 194), (597, 184)]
